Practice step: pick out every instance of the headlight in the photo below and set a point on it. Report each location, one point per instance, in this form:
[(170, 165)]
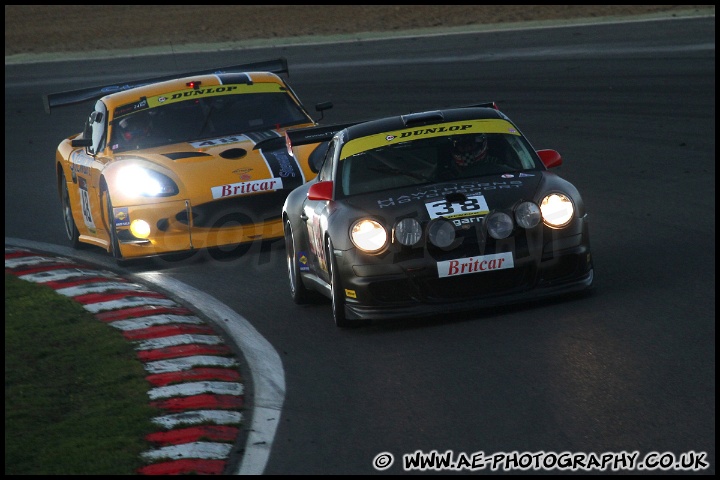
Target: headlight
[(499, 225), (368, 235), (408, 231), (137, 181), (441, 233), (557, 210), (527, 215)]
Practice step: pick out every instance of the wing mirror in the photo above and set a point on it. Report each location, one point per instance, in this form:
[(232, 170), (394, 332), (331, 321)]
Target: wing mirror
[(321, 107), (82, 142), (85, 139), (550, 158), (321, 191)]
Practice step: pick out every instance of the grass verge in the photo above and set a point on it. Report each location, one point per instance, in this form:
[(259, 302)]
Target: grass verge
[(75, 392)]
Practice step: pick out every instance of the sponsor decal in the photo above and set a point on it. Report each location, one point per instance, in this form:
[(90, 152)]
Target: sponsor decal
[(214, 142), (315, 238), (119, 88), (202, 92), (80, 162), (424, 132), (440, 191), (85, 204), (485, 263), (247, 188), (142, 104), (525, 175), (350, 293), (82, 169), (303, 262), (443, 129), (467, 222), (255, 137), (122, 217), (243, 173), (284, 166), (261, 136), (507, 175), (472, 206)]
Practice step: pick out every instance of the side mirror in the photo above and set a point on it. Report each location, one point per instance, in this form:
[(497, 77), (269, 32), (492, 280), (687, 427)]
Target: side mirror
[(321, 191), (85, 139), (81, 142), (550, 158), (321, 107)]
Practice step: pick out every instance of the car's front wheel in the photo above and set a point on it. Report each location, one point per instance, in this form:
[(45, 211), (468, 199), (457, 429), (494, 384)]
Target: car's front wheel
[(298, 292), (337, 292), (70, 228), (114, 243)]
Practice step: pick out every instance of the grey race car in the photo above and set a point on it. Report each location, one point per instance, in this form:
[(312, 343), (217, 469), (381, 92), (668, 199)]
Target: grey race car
[(430, 213)]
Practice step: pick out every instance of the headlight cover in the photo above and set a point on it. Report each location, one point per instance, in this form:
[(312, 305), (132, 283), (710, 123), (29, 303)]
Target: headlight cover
[(528, 215), (499, 225), (408, 231), (441, 233), (136, 181), (557, 210), (368, 235)]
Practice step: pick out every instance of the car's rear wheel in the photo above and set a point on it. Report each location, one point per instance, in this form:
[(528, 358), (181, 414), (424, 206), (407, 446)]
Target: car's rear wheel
[(337, 292), (298, 292), (114, 243), (70, 228)]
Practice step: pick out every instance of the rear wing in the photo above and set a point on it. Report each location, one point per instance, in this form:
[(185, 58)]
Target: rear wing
[(492, 105), (305, 136), (71, 97), (320, 135)]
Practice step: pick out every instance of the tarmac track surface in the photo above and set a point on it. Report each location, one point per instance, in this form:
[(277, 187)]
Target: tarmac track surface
[(652, 319)]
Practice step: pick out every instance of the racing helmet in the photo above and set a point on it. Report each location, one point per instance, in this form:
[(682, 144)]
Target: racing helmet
[(134, 127), (469, 149)]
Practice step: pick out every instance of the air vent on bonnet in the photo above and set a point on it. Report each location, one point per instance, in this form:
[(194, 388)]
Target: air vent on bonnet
[(234, 153)]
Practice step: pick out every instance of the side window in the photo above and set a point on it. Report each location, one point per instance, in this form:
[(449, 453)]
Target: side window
[(326, 172), (98, 126)]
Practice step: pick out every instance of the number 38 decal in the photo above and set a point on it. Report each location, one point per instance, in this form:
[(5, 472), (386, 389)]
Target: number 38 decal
[(472, 206)]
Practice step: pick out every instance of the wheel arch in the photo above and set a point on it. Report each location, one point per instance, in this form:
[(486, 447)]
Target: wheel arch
[(59, 172)]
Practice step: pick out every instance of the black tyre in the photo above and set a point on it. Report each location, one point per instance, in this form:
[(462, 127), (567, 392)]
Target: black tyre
[(114, 243), (298, 292), (70, 228), (338, 294)]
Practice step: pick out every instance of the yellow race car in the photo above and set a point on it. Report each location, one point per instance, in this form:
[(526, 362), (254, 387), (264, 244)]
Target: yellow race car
[(183, 162)]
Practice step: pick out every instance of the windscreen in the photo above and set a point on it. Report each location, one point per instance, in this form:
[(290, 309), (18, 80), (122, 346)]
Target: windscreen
[(431, 159), (198, 118)]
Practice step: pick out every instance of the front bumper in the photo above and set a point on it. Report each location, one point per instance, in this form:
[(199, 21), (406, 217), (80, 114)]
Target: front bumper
[(177, 226), (559, 265)]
